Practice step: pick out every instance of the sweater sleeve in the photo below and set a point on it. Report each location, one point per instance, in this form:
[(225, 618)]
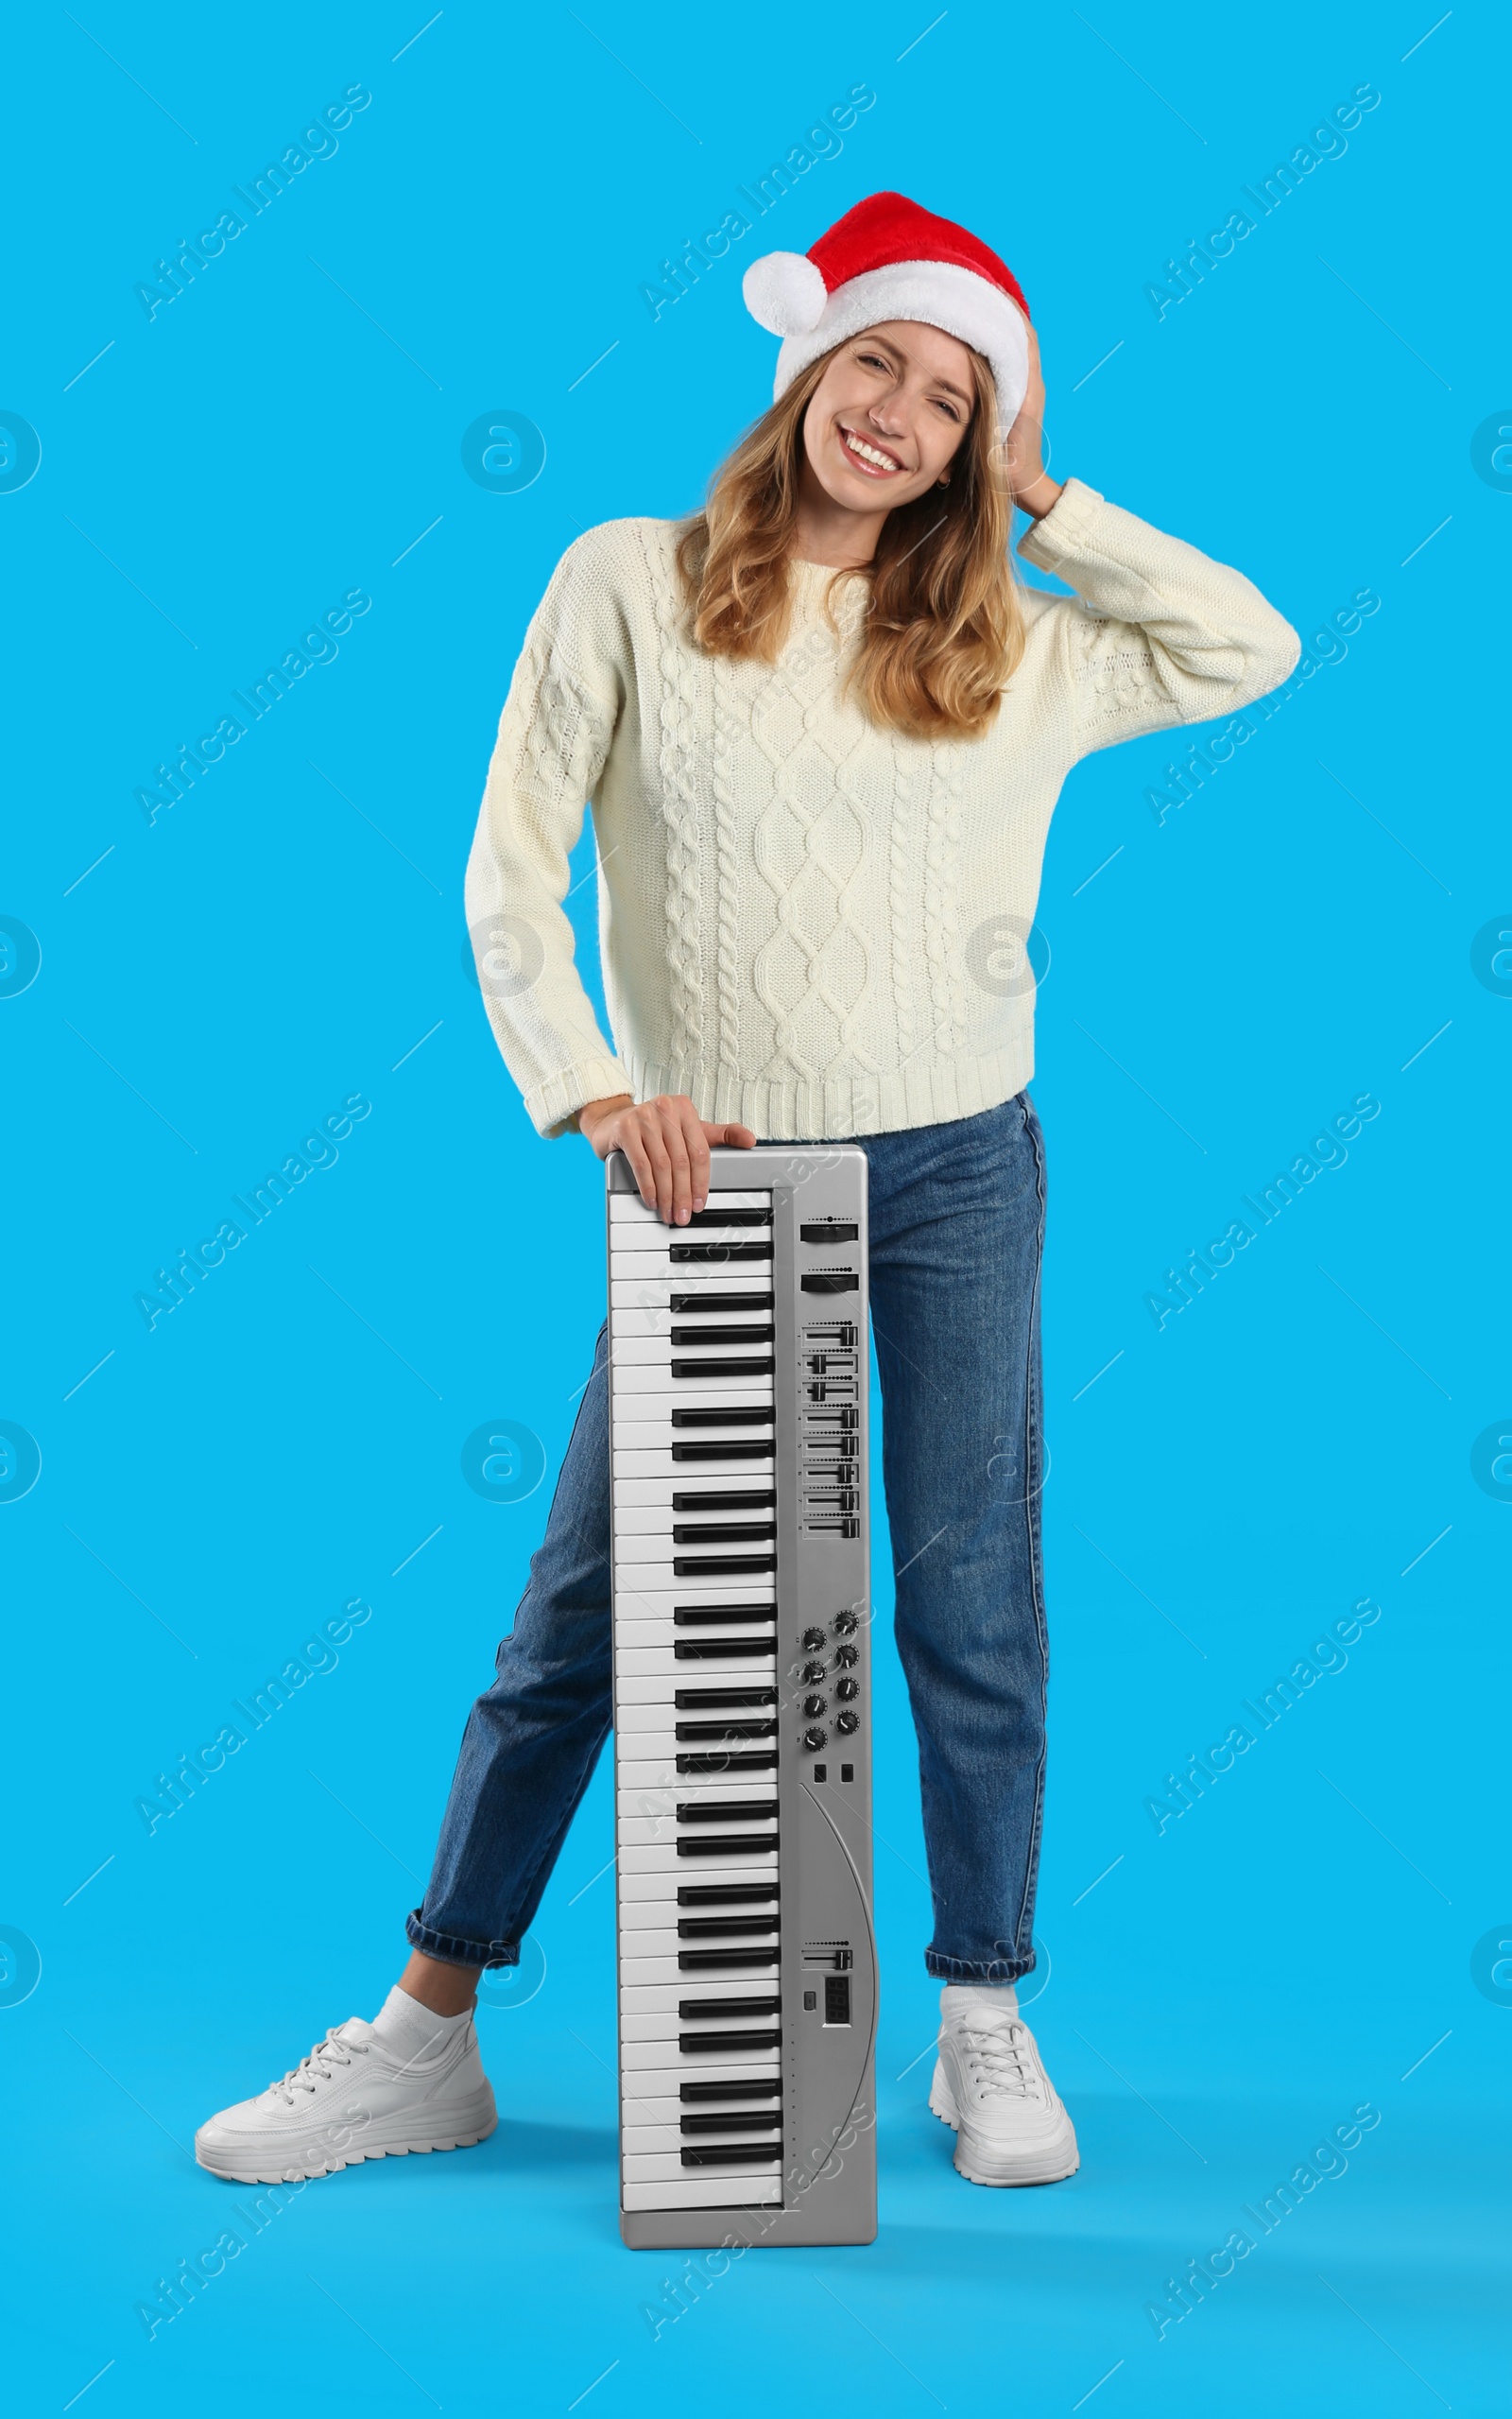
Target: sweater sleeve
[(555, 734), (1157, 634)]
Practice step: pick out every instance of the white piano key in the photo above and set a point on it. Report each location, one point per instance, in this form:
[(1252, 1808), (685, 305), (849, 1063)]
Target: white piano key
[(663, 2086), (661, 1857), (649, 1889), (649, 1323), (627, 1209), (645, 1293), (650, 1578), (751, 2193), (650, 2134), (640, 2057), (742, 1392), (664, 2026), (644, 1268), (640, 1600), (635, 1971), (657, 1663), (667, 2165), (629, 1247), (639, 1691), (750, 1448), (662, 1748), (657, 1772), (701, 1790), (640, 1748), (654, 1829), (658, 1351), (647, 2103), (697, 1990), (657, 1544), (655, 1494), (655, 1462), (662, 1937), (659, 1737), (658, 1517)]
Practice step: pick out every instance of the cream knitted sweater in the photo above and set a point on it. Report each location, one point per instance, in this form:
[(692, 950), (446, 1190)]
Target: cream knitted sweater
[(808, 924)]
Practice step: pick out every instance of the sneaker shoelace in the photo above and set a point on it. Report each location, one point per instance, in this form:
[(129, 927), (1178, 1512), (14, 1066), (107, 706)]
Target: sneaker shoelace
[(1001, 2059), (320, 2066)]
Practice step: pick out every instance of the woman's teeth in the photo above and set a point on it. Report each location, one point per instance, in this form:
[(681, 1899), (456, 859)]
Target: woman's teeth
[(868, 453)]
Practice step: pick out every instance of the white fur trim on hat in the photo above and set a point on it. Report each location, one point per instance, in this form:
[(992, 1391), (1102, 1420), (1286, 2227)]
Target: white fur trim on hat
[(936, 292), (784, 293)]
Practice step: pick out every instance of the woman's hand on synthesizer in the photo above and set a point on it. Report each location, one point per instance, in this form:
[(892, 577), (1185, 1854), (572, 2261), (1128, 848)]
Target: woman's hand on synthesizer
[(667, 1145)]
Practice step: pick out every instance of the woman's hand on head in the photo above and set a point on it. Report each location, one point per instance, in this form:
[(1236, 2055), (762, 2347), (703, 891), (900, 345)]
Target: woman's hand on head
[(667, 1145), (1032, 489)]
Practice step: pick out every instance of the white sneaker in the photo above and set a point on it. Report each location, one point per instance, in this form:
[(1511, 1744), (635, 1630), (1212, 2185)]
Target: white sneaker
[(351, 2099), (990, 2086)]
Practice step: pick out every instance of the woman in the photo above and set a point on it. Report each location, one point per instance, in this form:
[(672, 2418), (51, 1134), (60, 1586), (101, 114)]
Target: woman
[(824, 729)]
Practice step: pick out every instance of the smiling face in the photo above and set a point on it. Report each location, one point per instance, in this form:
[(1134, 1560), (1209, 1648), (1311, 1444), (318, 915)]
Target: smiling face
[(888, 415)]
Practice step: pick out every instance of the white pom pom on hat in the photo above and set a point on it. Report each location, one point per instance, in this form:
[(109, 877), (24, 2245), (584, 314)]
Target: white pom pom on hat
[(786, 293), (889, 259)]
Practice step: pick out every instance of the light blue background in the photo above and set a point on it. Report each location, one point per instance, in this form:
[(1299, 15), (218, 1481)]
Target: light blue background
[(1220, 1994)]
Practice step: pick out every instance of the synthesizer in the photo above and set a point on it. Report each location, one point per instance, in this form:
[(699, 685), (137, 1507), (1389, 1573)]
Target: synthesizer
[(747, 1971)]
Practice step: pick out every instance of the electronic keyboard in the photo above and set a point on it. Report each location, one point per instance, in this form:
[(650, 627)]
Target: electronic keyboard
[(748, 1972)]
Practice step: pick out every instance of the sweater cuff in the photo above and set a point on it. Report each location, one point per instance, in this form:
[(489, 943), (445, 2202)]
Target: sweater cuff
[(552, 1105), (1065, 529)]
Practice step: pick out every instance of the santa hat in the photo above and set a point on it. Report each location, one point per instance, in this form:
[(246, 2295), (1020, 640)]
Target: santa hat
[(888, 259)]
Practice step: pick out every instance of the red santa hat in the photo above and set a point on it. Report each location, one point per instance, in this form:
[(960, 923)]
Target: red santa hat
[(888, 259)]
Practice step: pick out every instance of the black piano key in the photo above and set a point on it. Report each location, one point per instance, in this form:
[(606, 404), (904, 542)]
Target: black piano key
[(683, 1303), (722, 1650), (751, 1335), (729, 1843), (691, 1699), (763, 2121), (749, 1217), (687, 1733), (721, 1532), (729, 1451), (692, 2093), (726, 2045), (732, 1893), (700, 1927), (712, 1367), (728, 1499), (730, 1612), (734, 2155), (718, 1255), (720, 1566), (690, 2010), (711, 1767), (726, 1810), (703, 1616), (725, 1961)]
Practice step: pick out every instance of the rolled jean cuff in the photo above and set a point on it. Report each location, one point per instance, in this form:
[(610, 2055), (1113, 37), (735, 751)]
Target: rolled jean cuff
[(449, 1950), (975, 1969)]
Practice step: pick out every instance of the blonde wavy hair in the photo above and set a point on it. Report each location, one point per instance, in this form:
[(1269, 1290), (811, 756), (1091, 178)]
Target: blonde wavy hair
[(944, 626)]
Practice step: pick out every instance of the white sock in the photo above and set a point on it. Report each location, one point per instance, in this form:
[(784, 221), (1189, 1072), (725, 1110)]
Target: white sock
[(413, 2032), (977, 1998)]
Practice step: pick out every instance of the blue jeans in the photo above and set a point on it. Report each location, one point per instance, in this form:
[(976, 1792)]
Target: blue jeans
[(957, 1230)]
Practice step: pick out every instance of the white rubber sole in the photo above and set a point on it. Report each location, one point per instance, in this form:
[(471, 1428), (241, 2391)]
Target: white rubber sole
[(1050, 2163), (471, 2123)]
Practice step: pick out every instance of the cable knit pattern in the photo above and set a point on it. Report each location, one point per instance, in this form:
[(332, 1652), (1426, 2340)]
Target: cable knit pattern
[(727, 853), (804, 918), (681, 679)]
